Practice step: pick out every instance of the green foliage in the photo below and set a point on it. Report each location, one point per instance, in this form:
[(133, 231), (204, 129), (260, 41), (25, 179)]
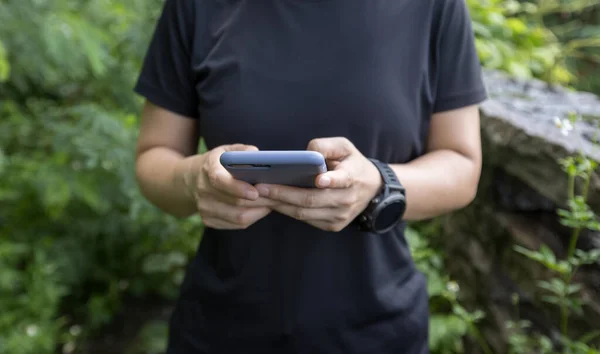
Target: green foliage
[(152, 339), (507, 39), (4, 64), (524, 39), (580, 27), (76, 50), (449, 321), (76, 235), (560, 290)]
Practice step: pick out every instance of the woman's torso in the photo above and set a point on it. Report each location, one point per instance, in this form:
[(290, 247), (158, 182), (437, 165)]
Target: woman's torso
[(276, 74)]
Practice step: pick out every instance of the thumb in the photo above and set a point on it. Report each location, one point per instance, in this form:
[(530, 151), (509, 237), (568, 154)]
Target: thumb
[(239, 147), (332, 148), (338, 178)]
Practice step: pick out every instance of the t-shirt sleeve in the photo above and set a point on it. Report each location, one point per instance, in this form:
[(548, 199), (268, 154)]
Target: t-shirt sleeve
[(457, 67), (167, 78)]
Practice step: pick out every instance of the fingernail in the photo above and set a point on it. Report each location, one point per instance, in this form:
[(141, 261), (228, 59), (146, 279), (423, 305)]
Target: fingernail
[(324, 181), (251, 194), (263, 191)]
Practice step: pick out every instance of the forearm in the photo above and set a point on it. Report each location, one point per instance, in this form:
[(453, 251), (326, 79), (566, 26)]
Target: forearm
[(437, 183), (159, 173)]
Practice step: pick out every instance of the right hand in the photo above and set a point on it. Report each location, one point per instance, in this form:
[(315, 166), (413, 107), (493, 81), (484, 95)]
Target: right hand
[(222, 201)]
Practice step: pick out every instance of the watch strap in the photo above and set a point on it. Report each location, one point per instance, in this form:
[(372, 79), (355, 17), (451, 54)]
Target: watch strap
[(390, 179)]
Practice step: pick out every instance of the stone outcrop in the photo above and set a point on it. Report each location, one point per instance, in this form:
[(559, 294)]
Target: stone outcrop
[(521, 188)]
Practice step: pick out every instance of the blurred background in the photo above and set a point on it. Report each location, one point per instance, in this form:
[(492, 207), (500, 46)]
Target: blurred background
[(87, 266)]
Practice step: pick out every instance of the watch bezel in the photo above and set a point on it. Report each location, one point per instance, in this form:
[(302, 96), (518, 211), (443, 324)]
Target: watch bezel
[(385, 202)]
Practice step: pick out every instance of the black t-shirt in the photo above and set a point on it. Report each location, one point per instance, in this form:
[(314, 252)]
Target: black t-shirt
[(276, 74)]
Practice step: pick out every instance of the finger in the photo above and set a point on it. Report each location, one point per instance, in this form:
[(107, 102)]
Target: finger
[(233, 147), (249, 216), (242, 217), (340, 178), (224, 182), (219, 224), (240, 202), (221, 180), (306, 214), (239, 147), (326, 219), (302, 197), (337, 148)]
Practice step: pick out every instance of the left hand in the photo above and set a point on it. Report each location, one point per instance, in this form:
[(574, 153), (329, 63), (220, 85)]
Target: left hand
[(341, 194)]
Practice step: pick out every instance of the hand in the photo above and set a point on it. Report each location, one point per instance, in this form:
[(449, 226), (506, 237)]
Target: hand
[(222, 201), (341, 194)]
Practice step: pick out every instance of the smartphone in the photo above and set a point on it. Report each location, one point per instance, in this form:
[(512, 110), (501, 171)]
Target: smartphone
[(296, 168)]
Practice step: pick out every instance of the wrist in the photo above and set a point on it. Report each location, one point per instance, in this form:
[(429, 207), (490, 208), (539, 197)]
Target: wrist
[(184, 176), (374, 182)]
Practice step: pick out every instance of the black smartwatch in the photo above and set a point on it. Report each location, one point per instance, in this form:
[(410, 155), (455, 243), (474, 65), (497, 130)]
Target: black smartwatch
[(387, 209)]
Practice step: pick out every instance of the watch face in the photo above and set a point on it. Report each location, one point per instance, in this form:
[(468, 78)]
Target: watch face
[(389, 215)]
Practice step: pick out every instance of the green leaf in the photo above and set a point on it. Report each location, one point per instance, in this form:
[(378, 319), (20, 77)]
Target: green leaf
[(519, 70), (546, 345), (4, 64), (481, 30), (593, 256), (445, 331), (547, 254), (562, 267), (154, 263), (56, 195), (555, 286), (162, 263), (176, 259), (436, 284), (555, 300), (588, 337), (528, 253), (489, 53), (477, 316), (517, 26), (573, 288), (152, 338), (593, 225), (558, 287), (3, 163)]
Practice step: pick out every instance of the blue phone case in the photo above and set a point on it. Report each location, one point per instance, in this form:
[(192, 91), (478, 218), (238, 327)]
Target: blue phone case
[(291, 168)]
